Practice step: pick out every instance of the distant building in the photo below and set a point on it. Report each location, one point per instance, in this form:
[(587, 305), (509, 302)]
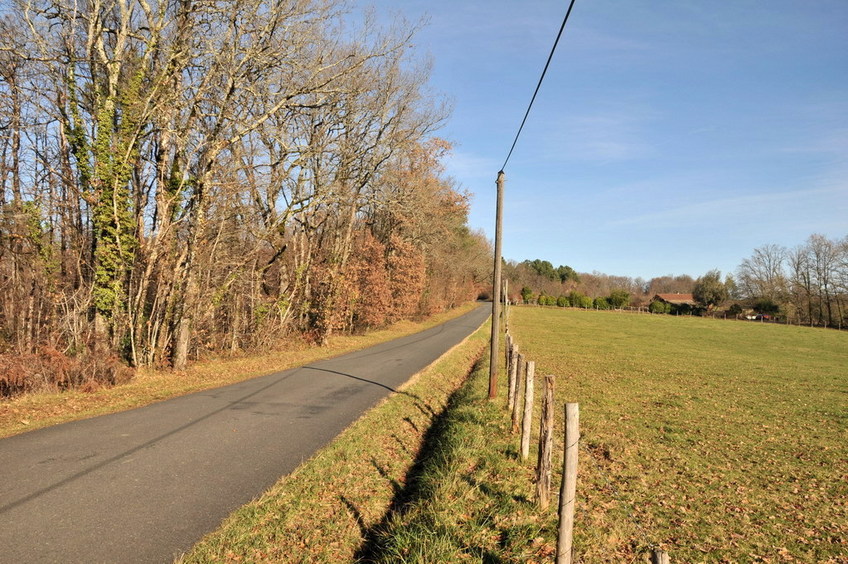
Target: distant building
[(676, 300)]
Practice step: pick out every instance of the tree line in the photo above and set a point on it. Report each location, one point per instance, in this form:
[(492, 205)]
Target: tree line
[(807, 284), (539, 282), (187, 176)]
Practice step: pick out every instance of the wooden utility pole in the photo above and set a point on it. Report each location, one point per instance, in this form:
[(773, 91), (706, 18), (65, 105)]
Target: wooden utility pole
[(496, 293)]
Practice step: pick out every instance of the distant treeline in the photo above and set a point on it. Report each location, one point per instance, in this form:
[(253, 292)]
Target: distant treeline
[(806, 284), (538, 281)]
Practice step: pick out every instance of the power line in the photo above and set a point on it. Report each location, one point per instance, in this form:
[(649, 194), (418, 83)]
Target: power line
[(541, 78)]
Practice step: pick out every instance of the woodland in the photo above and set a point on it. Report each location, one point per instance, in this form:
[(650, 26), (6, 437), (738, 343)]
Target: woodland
[(183, 178)]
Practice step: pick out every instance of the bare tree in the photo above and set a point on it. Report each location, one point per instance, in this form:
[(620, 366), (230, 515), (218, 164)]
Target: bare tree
[(762, 275)]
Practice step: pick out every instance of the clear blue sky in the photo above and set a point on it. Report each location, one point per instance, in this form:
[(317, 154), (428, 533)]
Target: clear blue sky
[(669, 136)]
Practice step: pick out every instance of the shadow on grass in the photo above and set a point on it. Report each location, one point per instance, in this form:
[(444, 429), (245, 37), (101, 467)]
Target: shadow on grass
[(437, 452), (496, 493)]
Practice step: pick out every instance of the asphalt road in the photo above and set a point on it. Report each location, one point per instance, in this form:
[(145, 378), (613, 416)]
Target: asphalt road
[(145, 484)]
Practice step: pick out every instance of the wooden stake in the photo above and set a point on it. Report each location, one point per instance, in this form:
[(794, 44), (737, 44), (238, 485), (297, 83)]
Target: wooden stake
[(513, 376), (506, 304), (516, 404), (568, 490), (527, 420), (544, 467), (507, 351), (660, 557)]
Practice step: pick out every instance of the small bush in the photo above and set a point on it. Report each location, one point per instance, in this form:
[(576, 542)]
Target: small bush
[(766, 306), (563, 301), (659, 307), (580, 300), (602, 303), (546, 300), (619, 298), (52, 370)]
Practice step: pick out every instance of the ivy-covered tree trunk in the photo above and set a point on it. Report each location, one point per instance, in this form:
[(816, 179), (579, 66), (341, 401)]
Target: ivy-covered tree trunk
[(105, 168), (114, 240)]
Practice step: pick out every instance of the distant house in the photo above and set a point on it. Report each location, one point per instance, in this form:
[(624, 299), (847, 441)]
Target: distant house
[(676, 304), (676, 300)]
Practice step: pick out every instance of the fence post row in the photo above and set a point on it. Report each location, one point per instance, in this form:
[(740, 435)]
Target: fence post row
[(517, 365)]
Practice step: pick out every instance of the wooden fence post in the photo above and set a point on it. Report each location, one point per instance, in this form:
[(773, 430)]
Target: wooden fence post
[(505, 299), (568, 489), (511, 375), (507, 350), (546, 443), (660, 557), (527, 420), (516, 404)]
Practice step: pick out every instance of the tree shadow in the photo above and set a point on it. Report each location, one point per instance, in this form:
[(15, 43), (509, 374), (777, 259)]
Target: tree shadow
[(496, 493)]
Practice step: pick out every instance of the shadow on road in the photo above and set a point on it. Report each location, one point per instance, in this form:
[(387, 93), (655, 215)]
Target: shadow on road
[(346, 375)]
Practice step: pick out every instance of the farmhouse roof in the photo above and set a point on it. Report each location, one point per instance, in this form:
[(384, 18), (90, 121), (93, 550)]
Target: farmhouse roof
[(676, 299)]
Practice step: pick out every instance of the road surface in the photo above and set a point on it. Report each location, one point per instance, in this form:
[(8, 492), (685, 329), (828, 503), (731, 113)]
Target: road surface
[(144, 485)]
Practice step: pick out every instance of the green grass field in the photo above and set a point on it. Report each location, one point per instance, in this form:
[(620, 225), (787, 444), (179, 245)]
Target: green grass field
[(718, 441)]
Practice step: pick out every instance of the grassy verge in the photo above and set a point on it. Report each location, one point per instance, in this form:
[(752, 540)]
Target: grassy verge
[(431, 475), (470, 499), (332, 508), (33, 411)]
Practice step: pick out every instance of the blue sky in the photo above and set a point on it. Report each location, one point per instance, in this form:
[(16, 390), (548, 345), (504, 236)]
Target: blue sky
[(669, 137)]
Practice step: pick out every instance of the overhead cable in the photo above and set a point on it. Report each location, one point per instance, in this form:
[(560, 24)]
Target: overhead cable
[(541, 78)]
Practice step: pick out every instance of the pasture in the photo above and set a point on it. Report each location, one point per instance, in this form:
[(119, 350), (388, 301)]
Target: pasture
[(717, 441)]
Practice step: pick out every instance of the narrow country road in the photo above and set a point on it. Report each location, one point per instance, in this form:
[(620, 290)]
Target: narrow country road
[(144, 485)]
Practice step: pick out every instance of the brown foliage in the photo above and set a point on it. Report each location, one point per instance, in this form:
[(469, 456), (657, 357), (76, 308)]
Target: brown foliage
[(407, 274), (52, 370), (373, 290)]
